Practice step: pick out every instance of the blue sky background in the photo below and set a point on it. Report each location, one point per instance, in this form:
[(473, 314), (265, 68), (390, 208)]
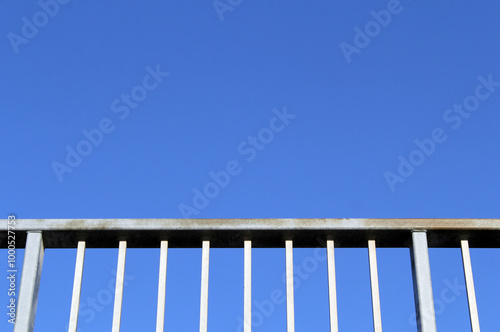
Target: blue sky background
[(228, 71)]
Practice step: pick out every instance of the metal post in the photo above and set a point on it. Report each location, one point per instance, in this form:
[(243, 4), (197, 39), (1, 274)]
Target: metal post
[(290, 311), (422, 284), (30, 283), (120, 277), (247, 307), (205, 255), (377, 316), (77, 287), (332, 286), (162, 284), (471, 293)]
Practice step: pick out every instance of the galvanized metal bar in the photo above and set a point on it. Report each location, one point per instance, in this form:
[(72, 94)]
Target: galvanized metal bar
[(120, 277), (265, 233), (377, 316), (422, 283), (256, 224), (247, 307), (205, 255), (30, 283), (162, 287), (290, 310), (77, 287), (469, 281), (332, 286), (247, 298)]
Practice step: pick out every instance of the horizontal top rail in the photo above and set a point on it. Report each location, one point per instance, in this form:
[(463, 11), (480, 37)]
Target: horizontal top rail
[(264, 233)]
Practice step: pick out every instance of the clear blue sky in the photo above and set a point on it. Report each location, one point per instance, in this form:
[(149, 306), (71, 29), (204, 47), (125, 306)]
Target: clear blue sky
[(314, 109)]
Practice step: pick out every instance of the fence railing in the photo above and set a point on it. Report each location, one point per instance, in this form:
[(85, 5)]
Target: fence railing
[(417, 234)]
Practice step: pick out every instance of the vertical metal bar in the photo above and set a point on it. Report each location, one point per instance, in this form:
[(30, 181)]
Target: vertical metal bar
[(77, 287), (290, 311), (205, 255), (247, 308), (471, 293), (30, 283), (120, 276), (377, 316), (332, 286), (422, 283), (162, 287)]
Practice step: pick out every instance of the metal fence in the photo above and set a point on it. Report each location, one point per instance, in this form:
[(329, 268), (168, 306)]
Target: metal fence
[(417, 234)]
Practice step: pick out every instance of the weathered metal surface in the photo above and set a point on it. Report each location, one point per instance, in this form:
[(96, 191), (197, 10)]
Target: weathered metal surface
[(290, 301), (77, 287), (332, 286), (120, 278), (377, 316), (205, 265), (471, 293), (422, 284), (162, 288), (247, 287), (30, 283), (417, 234), (147, 233)]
